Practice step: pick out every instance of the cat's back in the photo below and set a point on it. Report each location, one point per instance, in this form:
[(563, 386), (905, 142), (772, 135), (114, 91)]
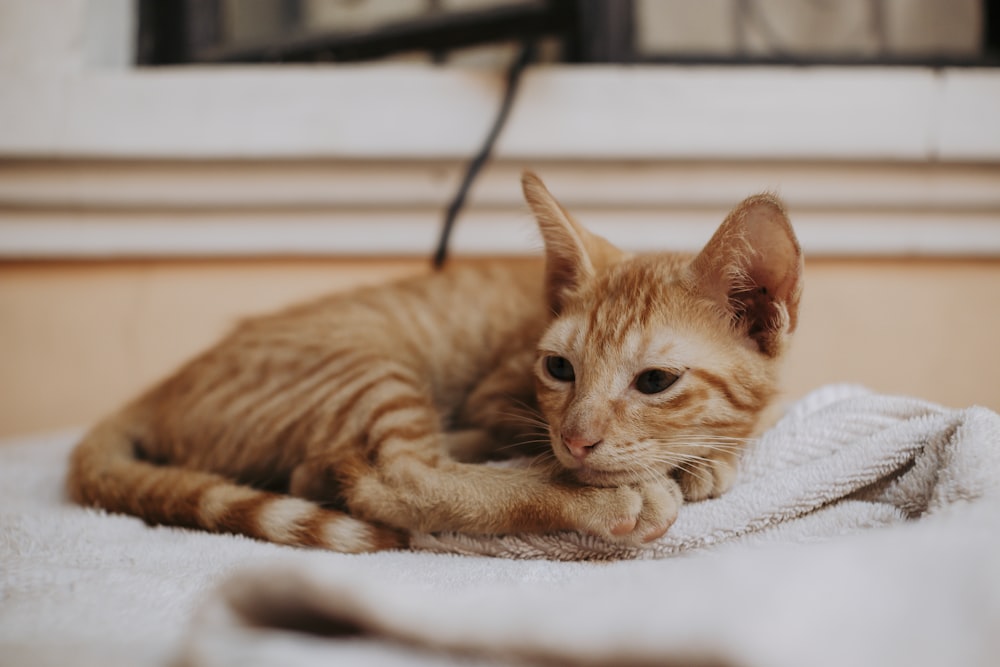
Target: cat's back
[(479, 304), (445, 330), (447, 327)]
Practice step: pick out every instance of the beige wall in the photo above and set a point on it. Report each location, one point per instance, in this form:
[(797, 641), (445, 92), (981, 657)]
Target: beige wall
[(79, 338)]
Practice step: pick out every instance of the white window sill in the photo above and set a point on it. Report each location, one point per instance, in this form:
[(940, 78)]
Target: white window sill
[(562, 112)]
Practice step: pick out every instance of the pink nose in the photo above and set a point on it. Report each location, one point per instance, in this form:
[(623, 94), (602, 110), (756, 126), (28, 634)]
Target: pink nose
[(580, 446)]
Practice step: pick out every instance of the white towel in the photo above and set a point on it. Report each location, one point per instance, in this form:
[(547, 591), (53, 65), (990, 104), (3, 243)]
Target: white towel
[(836, 463), (862, 530)]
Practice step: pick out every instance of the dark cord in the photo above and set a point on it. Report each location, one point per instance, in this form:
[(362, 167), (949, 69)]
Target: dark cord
[(482, 157)]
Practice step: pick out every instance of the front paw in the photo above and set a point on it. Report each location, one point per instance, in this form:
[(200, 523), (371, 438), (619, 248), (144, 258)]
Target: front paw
[(634, 514), (707, 478)]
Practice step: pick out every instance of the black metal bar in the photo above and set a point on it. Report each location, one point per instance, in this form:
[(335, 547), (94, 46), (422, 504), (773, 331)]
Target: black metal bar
[(435, 32), (163, 33), (183, 31), (204, 19), (169, 32), (291, 13), (605, 31), (991, 29)]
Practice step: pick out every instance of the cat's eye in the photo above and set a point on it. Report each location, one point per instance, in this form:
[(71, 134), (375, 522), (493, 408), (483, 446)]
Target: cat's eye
[(655, 380), (560, 368)]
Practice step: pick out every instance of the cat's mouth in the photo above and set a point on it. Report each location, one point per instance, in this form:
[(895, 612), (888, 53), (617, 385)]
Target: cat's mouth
[(596, 469)]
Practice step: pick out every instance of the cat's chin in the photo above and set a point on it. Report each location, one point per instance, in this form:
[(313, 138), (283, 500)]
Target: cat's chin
[(592, 477)]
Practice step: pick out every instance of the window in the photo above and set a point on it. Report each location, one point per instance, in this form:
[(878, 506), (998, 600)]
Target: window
[(103, 158), (924, 32)]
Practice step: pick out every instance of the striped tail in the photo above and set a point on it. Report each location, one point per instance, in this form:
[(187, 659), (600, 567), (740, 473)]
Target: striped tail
[(104, 472)]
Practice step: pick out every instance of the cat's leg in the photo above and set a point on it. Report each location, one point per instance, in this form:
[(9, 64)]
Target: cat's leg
[(453, 496), (394, 469), (416, 494)]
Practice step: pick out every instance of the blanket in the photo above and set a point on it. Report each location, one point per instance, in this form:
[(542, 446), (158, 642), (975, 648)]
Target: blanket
[(862, 529)]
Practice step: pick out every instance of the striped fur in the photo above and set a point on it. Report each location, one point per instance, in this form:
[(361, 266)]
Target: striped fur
[(347, 422)]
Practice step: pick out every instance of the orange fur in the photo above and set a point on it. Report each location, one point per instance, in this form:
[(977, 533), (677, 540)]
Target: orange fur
[(349, 421)]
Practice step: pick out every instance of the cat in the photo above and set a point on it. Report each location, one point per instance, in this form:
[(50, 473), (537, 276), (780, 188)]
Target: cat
[(350, 422)]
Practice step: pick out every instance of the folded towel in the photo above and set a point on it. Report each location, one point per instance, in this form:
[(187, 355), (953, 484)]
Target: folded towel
[(782, 570), (843, 459), (863, 530)]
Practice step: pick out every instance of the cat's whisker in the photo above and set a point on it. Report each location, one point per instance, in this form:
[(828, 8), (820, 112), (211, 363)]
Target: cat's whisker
[(531, 441), (547, 462), (698, 472), (705, 445), (674, 455), (525, 419), (700, 447), (708, 440), (532, 409), (521, 443), (713, 436), (686, 456), (699, 450), (696, 468), (525, 409), (654, 472)]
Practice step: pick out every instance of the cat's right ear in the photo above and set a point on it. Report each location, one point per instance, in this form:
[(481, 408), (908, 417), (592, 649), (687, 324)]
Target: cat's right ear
[(572, 254), (752, 268)]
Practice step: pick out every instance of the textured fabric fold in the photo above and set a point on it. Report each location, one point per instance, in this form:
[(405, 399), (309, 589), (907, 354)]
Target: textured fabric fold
[(862, 530), (842, 443)]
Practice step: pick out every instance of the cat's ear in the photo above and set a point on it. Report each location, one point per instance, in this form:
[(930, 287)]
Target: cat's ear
[(572, 254), (752, 267)]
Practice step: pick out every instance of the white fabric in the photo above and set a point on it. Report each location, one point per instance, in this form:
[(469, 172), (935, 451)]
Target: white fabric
[(863, 530)]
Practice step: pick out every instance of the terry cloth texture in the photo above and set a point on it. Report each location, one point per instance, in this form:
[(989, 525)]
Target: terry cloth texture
[(862, 530)]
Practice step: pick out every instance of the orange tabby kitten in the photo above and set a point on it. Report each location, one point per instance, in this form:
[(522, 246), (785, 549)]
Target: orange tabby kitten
[(347, 422)]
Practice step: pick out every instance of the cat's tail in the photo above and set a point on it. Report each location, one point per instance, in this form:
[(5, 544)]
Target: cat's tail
[(107, 471)]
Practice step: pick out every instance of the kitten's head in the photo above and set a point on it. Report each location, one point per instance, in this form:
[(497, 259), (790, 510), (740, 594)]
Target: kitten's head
[(651, 360)]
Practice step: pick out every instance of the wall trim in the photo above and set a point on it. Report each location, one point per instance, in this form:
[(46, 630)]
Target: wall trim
[(562, 112), (114, 209), (102, 159)]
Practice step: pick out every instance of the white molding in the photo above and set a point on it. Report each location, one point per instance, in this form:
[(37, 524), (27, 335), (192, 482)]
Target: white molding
[(303, 184), (970, 109), (101, 160), (68, 94), (240, 209), (55, 236), (562, 112)]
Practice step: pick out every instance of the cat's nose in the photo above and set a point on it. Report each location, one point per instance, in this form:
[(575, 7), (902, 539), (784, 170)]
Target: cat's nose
[(580, 446)]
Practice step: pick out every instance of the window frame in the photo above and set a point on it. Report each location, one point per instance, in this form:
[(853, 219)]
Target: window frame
[(72, 99)]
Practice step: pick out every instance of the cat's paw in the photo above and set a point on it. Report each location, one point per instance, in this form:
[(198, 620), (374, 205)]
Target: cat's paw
[(635, 514), (661, 500), (708, 478)]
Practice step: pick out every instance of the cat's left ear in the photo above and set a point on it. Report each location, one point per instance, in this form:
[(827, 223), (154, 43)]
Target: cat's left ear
[(752, 267), (573, 255)]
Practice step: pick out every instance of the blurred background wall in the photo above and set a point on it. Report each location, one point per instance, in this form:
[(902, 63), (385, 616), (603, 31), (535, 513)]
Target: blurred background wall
[(144, 210)]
